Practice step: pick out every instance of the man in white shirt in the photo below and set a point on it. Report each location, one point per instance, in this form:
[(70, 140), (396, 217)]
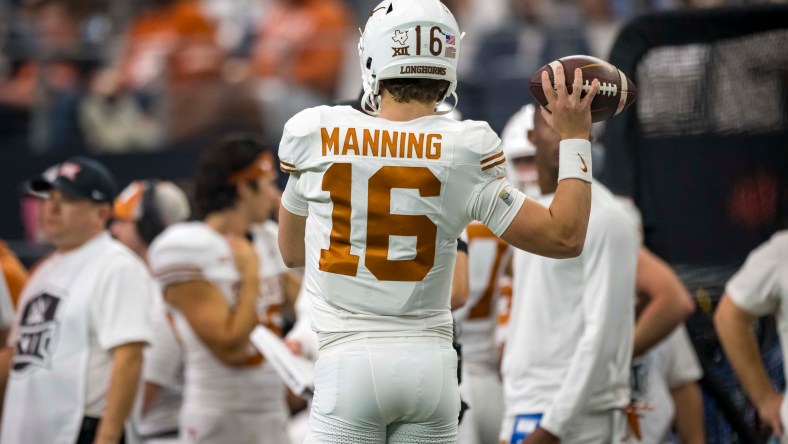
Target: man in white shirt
[(76, 348), (373, 208), (569, 346), (142, 211), (759, 288)]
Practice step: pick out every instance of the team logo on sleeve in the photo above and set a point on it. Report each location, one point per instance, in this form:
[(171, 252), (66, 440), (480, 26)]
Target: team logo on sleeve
[(38, 331), (506, 197)]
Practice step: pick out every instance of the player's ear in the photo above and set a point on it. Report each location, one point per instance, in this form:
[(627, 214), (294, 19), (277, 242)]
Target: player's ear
[(529, 134), (105, 212), (246, 189)]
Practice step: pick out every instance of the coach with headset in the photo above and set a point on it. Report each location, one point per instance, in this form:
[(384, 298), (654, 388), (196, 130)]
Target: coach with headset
[(142, 211)]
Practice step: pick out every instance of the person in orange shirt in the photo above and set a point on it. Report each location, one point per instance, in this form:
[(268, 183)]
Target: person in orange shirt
[(298, 57), (171, 37), (14, 273), (12, 279), (169, 50), (301, 42)]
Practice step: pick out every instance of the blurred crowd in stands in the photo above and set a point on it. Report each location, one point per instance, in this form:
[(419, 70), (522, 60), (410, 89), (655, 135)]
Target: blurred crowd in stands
[(114, 76)]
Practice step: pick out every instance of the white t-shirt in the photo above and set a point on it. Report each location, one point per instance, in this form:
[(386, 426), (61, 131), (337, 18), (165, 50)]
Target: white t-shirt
[(476, 321), (760, 287), (75, 309), (671, 364), (569, 343), (386, 202), (193, 251)]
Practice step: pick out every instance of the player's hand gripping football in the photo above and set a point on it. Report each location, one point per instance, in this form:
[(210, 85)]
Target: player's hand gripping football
[(571, 115), (246, 259)]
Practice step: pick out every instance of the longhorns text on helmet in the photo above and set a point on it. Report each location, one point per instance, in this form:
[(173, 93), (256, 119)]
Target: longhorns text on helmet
[(408, 39)]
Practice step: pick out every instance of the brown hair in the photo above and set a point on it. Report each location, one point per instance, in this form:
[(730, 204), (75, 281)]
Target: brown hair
[(217, 163), (420, 90)]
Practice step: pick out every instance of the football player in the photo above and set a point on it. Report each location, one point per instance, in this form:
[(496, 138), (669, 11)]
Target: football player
[(211, 277), (476, 322), (373, 208)]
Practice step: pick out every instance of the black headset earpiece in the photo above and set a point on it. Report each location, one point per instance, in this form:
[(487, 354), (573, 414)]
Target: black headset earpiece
[(149, 225)]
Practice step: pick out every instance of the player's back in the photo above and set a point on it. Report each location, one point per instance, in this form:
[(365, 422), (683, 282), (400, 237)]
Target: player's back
[(386, 203)]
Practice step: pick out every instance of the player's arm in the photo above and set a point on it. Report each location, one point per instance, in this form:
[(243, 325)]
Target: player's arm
[(223, 329), (292, 224), (460, 285), (733, 326), (608, 275), (120, 312), (292, 229), (560, 230), (126, 370), (688, 420), (669, 301)]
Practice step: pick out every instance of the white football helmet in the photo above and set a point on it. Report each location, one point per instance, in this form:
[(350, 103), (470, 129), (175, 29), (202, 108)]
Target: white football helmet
[(408, 39), (517, 148)]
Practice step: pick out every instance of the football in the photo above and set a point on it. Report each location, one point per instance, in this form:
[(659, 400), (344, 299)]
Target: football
[(616, 92)]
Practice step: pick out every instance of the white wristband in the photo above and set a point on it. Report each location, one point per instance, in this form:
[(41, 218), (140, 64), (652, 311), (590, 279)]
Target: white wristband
[(574, 161)]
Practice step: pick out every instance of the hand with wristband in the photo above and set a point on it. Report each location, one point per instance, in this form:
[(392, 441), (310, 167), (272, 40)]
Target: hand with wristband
[(571, 118)]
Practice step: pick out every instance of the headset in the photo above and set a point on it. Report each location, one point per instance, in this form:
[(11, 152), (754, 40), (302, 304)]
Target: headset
[(149, 224)]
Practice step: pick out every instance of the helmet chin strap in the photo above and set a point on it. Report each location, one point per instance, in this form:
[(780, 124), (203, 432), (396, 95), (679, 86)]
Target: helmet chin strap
[(370, 102), (447, 111)]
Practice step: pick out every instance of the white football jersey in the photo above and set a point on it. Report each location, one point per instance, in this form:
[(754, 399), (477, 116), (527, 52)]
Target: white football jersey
[(386, 202), (488, 257), (669, 365), (194, 251), (264, 241)]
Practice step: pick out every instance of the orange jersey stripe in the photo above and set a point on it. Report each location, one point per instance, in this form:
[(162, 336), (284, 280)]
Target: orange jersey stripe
[(492, 165)]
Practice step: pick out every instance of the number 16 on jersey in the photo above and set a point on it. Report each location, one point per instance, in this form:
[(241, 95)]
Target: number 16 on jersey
[(381, 223)]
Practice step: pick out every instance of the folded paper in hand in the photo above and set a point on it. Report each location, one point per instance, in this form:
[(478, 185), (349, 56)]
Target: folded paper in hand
[(297, 372)]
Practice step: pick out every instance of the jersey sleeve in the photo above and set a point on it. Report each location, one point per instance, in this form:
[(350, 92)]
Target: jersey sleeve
[(292, 198), (494, 201), (175, 257), (683, 367), (755, 287), (296, 135), (121, 307)]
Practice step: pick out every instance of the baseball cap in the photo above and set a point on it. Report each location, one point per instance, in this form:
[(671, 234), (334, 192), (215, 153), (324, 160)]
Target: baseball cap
[(78, 177)]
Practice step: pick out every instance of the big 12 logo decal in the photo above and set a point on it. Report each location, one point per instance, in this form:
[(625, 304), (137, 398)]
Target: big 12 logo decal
[(38, 331)]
